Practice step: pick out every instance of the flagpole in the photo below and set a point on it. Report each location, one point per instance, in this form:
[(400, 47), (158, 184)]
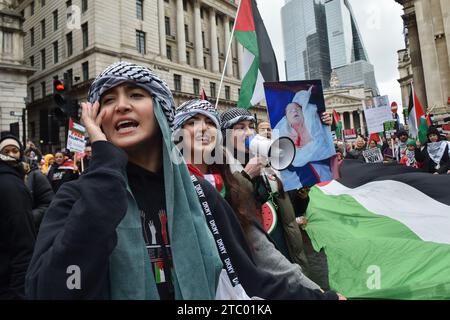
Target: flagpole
[(228, 54)]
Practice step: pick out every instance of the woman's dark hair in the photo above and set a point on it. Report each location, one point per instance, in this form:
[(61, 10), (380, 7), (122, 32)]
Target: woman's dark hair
[(240, 199)]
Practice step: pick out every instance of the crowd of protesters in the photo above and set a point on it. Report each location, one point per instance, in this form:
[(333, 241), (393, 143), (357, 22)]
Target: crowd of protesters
[(161, 207)]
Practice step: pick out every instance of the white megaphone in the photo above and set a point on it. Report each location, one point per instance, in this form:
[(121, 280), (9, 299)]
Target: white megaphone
[(279, 152)]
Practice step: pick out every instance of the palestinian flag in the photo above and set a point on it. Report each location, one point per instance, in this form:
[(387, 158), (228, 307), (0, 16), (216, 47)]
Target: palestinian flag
[(338, 123), (417, 121), (203, 95), (259, 64), (385, 231), (76, 129)]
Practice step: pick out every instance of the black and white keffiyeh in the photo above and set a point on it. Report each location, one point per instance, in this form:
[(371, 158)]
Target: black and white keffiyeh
[(190, 108), (121, 72), (235, 115)]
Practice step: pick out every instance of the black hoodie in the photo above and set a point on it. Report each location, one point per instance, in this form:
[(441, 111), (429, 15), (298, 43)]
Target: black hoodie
[(80, 229), (16, 232)]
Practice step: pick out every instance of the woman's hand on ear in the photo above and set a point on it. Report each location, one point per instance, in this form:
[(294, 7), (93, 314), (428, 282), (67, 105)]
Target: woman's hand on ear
[(92, 120)]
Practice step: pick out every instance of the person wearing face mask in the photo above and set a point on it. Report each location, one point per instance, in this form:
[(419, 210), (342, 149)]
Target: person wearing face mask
[(434, 156), (17, 233), (62, 171)]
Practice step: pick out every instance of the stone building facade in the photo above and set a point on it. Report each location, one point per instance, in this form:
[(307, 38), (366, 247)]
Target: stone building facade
[(428, 40), (13, 71), (183, 41)]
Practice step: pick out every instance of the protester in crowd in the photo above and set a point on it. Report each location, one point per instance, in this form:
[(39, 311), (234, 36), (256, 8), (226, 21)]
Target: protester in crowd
[(435, 154), (49, 160), (264, 129), (32, 152), (372, 144), (135, 197), (401, 146), (17, 234), (83, 163), (197, 123), (317, 260), (62, 171), (409, 159), (357, 153)]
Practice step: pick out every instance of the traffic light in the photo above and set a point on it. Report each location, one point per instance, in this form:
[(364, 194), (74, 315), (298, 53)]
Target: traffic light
[(59, 93)]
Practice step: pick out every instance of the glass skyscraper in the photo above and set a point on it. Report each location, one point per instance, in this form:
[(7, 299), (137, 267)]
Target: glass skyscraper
[(322, 35), (306, 41)]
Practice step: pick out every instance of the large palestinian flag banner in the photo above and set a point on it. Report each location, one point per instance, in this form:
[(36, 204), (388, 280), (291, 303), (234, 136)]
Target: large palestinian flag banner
[(259, 63), (385, 230)]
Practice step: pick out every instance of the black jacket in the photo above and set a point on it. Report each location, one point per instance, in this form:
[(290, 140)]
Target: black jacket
[(16, 232), (429, 165), (80, 229), (42, 195), (57, 176)]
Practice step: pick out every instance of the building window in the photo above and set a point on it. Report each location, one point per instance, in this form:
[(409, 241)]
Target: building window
[(85, 32), (140, 41), (85, 67), (32, 36), (185, 5), (186, 32), (167, 25), (32, 94), (43, 65), (32, 8), (69, 44), (55, 52), (203, 39), (218, 45), (43, 89), (68, 79), (188, 57), (227, 93), (43, 29), (32, 61), (196, 85), (69, 12), (201, 13), (7, 46), (55, 20), (84, 5), (212, 86), (177, 82), (140, 9), (205, 62), (42, 3), (169, 52), (22, 13)]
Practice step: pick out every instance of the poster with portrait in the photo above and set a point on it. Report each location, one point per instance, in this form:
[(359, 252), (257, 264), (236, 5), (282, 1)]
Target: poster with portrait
[(295, 109)]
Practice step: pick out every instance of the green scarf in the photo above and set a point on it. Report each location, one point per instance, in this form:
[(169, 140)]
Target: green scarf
[(196, 263)]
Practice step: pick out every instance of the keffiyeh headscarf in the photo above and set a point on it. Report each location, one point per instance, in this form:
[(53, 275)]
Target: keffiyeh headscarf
[(233, 116), (122, 72), (192, 244), (190, 108)]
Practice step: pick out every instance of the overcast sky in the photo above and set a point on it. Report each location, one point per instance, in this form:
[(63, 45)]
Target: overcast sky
[(381, 26)]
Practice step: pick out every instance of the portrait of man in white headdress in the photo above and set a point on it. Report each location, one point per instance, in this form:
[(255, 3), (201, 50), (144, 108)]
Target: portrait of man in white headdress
[(295, 110)]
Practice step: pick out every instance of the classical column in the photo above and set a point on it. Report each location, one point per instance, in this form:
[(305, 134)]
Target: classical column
[(416, 58), (181, 37), (352, 120), (229, 66), (213, 42), (198, 35), (240, 55), (361, 121), (445, 8), (430, 62), (343, 120), (162, 31)]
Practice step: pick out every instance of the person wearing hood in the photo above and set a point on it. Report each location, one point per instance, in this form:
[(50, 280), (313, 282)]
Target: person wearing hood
[(435, 154), (47, 161), (197, 132), (63, 170), (17, 233)]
